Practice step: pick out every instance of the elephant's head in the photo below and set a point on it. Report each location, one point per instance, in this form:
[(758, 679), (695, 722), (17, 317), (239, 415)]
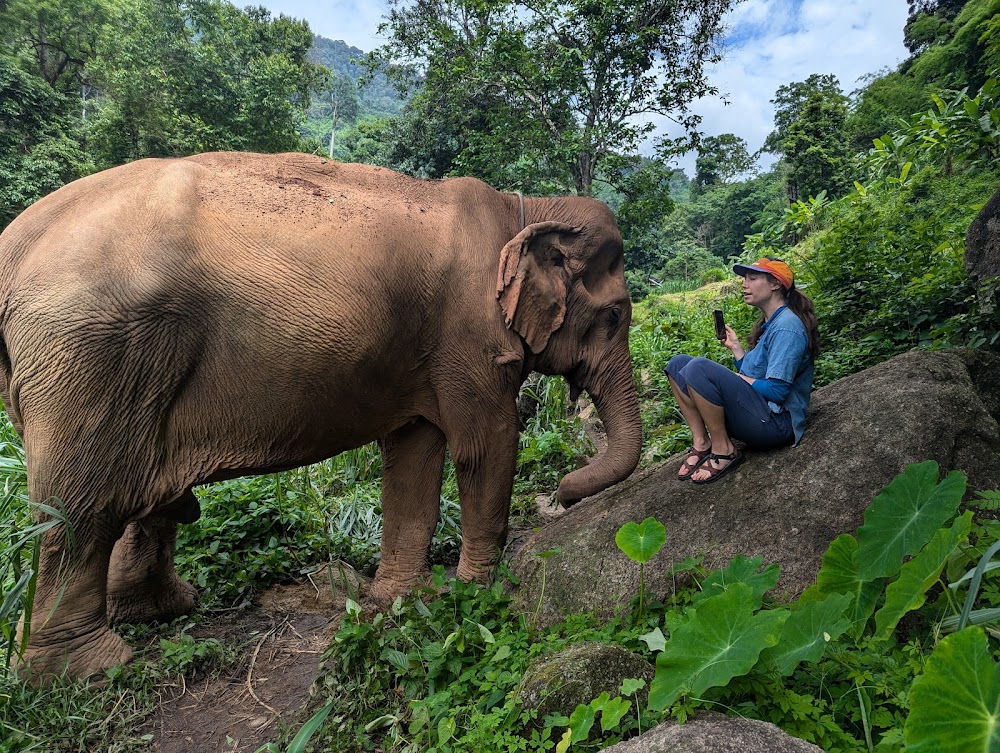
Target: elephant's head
[(561, 287)]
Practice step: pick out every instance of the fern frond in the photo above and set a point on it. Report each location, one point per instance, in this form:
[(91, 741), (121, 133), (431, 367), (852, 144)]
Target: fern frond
[(988, 499)]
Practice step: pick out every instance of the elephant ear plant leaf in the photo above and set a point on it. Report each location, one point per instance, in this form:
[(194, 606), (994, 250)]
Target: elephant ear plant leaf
[(807, 632), (955, 703), (838, 574), (722, 640), (904, 517), (909, 591), (740, 570), (640, 542)]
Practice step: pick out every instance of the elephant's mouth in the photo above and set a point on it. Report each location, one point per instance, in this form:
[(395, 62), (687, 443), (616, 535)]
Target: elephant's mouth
[(573, 378)]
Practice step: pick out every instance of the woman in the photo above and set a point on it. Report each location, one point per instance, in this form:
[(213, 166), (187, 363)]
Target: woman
[(765, 404)]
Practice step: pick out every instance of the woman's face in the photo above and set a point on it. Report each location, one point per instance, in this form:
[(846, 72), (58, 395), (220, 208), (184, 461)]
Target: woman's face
[(759, 289)]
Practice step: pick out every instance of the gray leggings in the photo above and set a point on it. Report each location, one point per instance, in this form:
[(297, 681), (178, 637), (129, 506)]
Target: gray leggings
[(748, 416)]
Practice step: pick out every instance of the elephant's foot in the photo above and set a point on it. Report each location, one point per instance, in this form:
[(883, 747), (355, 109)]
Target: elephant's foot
[(142, 583), (151, 600), (384, 589), (478, 570), (47, 657)]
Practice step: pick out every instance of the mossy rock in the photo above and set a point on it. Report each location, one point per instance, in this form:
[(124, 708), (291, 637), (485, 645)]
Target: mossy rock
[(559, 682)]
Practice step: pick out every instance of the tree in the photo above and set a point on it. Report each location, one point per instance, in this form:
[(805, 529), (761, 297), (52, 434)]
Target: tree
[(789, 101), (640, 195), (815, 148), (877, 108), (39, 150), (562, 85), (720, 159), (59, 37), (336, 104), (199, 75), (928, 22)]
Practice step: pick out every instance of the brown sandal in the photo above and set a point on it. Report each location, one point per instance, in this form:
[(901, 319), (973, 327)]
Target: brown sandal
[(735, 459), (701, 455)]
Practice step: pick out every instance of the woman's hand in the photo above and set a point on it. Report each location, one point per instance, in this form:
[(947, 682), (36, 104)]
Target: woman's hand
[(732, 342)]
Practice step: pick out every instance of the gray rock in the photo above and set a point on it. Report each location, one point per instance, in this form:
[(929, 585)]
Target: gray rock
[(709, 732), (982, 243), (786, 505), (559, 682)]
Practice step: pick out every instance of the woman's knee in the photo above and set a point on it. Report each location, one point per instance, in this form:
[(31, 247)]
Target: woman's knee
[(702, 375), (675, 364), (698, 367)]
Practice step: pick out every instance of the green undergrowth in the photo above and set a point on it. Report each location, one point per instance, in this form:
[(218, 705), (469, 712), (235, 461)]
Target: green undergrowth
[(888, 621)]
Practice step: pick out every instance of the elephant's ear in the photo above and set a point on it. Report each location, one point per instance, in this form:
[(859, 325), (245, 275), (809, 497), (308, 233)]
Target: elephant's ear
[(532, 282)]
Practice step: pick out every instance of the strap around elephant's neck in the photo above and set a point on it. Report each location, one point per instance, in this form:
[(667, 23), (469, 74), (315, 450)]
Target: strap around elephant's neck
[(520, 198)]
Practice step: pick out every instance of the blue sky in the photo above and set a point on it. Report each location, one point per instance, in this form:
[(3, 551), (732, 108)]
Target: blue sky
[(769, 43)]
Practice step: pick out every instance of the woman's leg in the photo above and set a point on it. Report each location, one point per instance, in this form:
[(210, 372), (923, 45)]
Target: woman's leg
[(714, 417), (700, 440)]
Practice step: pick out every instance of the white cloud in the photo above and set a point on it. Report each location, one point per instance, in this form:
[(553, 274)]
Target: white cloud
[(769, 43), (776, 43)]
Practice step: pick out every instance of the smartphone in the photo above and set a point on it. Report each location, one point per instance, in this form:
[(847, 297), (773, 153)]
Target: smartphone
[(720, 325)]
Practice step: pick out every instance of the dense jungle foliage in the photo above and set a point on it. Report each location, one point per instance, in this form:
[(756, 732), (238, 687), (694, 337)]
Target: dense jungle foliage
[(868, 198)]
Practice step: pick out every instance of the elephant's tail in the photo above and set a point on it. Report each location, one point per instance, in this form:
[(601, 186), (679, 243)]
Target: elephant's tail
[(6, 373)]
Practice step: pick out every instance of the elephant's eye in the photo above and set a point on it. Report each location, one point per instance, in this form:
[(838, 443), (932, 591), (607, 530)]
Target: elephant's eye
[(614, 316)]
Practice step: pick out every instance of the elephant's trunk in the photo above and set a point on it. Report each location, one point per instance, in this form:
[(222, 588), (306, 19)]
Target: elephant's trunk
[(618, 407)]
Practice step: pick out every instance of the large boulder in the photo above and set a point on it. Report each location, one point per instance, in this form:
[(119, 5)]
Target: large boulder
[(982, 243), (785, 505), (710, 732)]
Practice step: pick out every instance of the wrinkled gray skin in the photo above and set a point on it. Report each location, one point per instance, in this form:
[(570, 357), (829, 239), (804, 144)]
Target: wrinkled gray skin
[(174, 322)]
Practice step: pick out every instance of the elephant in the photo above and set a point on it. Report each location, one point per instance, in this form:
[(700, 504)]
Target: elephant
[(178, 321)]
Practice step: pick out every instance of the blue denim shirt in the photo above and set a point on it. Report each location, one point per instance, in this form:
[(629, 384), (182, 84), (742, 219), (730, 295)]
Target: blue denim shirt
[(782, 352)]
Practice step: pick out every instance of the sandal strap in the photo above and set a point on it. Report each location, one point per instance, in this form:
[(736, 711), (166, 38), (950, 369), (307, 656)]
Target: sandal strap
[(732, 456)]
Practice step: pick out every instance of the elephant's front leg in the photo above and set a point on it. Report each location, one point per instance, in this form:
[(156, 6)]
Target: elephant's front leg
[(485, 457), (142, 583), (412, 463)]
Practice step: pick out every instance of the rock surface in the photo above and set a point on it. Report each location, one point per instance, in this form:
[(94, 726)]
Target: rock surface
[(710, 732), (982, 243), (786, 505), (558, 682)]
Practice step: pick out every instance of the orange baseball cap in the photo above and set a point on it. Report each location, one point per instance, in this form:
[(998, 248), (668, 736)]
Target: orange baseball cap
[(774, 267)]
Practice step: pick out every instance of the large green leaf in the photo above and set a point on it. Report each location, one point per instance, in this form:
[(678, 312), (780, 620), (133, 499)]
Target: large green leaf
[(640, 541), (838, 574), (909, 591), (955, 703), (740, 570), (807, 631), (902, 519), (722, 640)]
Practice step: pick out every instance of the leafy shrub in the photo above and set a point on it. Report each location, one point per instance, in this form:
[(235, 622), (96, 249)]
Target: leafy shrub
[(889, 274), (253, 532), (714, 274)]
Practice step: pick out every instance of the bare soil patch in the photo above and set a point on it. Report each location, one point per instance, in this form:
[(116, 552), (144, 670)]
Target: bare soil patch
[(285, 635)]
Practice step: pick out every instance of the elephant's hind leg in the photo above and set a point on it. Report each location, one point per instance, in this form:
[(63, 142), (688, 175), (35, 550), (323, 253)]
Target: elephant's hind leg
[(412, 463), (69, 630), (142, 583)]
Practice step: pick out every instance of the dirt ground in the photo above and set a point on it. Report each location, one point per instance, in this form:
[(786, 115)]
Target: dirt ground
[(240, 710)]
